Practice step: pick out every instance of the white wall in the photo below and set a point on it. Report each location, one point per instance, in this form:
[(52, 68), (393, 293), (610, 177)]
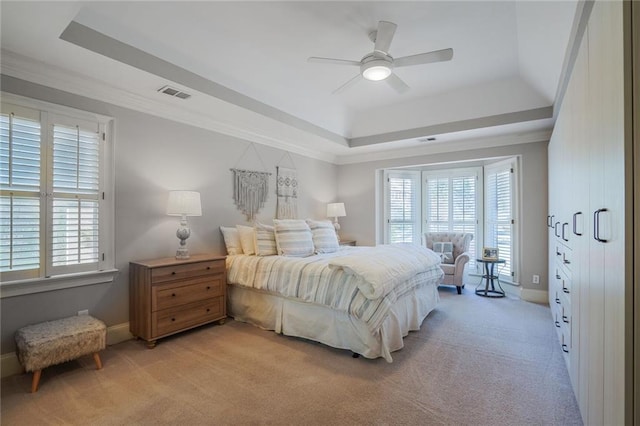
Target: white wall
[(356, 187), (153, 156)]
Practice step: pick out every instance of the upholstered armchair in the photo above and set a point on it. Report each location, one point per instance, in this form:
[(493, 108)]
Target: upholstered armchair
[(454, 261)]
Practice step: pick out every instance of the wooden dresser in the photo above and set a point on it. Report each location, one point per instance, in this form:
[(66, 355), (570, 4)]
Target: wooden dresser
[(167, 296)]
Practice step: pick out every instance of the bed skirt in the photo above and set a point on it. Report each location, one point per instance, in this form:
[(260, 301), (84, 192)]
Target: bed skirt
[(337, 329)]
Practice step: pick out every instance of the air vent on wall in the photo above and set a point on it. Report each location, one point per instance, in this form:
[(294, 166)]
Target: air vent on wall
[(168, 90)]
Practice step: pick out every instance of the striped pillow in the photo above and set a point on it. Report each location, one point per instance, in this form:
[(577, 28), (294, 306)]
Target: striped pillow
[(293, 237), (265, 240), (324, 236)]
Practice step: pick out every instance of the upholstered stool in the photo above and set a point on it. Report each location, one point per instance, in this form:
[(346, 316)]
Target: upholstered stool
[(53, 342)]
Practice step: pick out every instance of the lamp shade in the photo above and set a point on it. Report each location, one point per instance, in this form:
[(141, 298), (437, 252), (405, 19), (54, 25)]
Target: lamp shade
[(185, 203), (336, 210)]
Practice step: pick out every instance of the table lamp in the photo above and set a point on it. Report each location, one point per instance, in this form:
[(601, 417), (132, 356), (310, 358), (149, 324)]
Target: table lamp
[(183, 204), (336, 210)]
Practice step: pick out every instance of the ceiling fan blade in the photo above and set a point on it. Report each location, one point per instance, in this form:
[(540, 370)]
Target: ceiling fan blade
[(397, 83), (333, 61), (384, 35), (348, 84), (424, 58)]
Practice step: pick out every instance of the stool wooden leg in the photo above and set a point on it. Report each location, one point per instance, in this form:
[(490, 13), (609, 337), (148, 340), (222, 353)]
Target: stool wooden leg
[(96, 358), (35, 380)]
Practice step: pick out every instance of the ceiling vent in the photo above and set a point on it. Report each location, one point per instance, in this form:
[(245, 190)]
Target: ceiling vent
[(429, 139), (168, 90)]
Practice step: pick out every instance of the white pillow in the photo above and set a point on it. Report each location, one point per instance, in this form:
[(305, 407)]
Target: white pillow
[(231, 239), (265, 240), (247, 239), (324, 236), (293, 237)]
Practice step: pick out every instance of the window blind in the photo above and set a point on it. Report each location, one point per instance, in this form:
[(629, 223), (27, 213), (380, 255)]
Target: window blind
[(451, 205), (75, 206), (498, 214), (20, 182), (402, 208)]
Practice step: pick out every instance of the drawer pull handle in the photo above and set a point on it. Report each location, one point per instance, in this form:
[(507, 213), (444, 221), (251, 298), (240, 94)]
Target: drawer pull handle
[(564, 348), (565, 319), (565, 260), (566, 290), (558, 276), (557, 323), (558, 300)]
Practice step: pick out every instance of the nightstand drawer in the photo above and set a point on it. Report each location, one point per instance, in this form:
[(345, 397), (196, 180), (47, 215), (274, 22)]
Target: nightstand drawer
[(183, 292), (187, 270), (180, 318)]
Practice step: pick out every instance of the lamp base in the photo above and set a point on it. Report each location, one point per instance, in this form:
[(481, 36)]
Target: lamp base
[(182, 253)]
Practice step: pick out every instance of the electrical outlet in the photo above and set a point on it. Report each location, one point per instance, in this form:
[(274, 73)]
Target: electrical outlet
[(83, 312), (536, 279)]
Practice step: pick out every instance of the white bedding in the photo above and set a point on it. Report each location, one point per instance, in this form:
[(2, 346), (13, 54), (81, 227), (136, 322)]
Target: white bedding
[(325, 279)]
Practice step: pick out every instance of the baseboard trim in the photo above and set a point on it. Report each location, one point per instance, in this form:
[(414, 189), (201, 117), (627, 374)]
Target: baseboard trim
[(535, 296), (9, 364)]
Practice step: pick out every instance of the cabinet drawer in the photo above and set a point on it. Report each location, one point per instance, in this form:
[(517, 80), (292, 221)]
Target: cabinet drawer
[(184, 271), (186, 316), (181, 293)]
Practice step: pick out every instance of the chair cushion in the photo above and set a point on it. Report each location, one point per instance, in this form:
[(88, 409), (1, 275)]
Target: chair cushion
[(448, 269)]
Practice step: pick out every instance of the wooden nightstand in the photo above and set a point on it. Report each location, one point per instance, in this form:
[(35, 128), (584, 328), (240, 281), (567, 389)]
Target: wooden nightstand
[(347, 242), (167, 296)]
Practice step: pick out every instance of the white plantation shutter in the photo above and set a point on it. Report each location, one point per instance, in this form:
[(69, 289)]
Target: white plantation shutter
[(75, 202), (53, 214), (20, 183), (451, 203), (499, 214), (402, 207)]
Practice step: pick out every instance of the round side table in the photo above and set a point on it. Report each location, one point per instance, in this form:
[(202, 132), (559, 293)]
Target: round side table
[(490, 279)]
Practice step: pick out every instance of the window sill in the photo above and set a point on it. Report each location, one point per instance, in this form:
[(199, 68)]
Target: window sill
[(39, 285)]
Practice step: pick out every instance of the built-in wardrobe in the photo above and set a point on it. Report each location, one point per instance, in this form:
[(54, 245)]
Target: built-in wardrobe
[(587, 219)]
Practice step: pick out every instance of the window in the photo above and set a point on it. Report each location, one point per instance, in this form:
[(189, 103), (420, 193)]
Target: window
[(477, 200), (452, 203), (402, 207), (54, 212), (500, 214)]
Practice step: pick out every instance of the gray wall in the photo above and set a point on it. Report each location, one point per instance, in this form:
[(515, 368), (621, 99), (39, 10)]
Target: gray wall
[(153, 156), (356, 187)]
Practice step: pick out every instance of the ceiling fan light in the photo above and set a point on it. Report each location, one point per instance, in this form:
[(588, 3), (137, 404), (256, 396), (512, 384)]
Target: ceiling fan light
[(376, 70)]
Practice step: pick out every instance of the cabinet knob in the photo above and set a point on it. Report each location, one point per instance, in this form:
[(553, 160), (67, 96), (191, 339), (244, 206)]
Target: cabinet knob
[(173, 295), (208, 309), (208, 267), (173, 319), (173, 272), (208, 287)]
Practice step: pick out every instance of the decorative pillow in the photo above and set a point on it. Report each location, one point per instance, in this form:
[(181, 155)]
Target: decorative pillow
[(247, 239), (293, 237), (445, 250), (324, 236), (265, 240), (231, 239)]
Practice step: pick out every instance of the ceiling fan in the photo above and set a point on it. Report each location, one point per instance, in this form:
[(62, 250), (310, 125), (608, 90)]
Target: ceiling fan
[(378, 65)]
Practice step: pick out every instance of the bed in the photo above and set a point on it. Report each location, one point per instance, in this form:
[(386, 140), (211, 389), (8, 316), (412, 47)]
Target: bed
[(363, 299)]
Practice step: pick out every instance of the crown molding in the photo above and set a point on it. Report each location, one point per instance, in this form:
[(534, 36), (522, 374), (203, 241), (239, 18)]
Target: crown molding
[(432, 148), (24, 68)]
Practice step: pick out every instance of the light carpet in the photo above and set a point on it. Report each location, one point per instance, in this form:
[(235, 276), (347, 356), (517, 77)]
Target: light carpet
[(476, 361)]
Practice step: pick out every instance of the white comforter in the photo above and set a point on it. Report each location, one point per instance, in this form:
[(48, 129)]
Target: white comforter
[(342, 285), (380, 269)]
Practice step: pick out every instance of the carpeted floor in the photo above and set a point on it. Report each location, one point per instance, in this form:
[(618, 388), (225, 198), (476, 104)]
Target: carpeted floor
[(476, 361)]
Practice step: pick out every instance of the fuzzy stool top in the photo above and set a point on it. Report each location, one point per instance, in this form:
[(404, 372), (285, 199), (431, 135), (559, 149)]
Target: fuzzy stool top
[(53, 342)]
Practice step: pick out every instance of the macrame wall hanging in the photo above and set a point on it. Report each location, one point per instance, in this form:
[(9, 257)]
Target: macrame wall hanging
[(250, 189), (287, 193)]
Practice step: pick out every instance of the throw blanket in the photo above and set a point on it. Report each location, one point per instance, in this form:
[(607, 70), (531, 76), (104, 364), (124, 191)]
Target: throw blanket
[(380, 269)]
